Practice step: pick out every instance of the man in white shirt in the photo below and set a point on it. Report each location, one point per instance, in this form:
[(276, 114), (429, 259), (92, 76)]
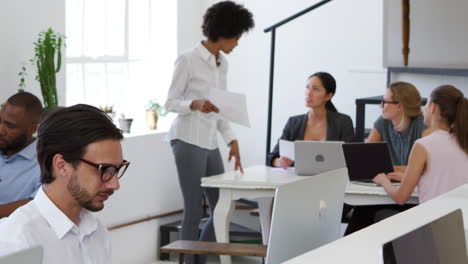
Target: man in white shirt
[(80, 156)]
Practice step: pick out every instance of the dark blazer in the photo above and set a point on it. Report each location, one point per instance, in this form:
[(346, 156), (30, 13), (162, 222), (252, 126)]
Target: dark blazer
[(339, 128)]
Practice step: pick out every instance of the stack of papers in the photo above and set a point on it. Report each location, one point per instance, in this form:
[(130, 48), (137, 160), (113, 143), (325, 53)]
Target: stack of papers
[(286, 149), (232, 106)]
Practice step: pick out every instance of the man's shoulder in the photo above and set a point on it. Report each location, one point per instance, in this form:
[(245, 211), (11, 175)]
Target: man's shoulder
[(21, 222)]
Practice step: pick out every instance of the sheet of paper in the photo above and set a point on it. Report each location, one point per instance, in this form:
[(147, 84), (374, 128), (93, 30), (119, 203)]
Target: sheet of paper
[(286, 149), (232, 106)]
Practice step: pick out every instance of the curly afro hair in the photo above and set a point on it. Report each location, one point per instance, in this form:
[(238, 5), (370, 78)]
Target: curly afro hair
[(226, 19)]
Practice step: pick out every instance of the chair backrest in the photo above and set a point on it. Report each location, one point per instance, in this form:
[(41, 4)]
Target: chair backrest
[(306, 215), (30, 256)]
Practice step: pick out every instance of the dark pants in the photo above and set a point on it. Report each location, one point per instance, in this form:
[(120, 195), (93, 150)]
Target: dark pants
[(192, 164), (364, 216)]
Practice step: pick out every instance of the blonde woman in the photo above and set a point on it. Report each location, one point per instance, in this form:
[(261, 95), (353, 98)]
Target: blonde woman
[(438, 163), (401, 123)]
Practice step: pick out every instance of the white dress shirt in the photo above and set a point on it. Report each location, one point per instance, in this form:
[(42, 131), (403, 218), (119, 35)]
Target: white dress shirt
[(194, 75), (41, 223)]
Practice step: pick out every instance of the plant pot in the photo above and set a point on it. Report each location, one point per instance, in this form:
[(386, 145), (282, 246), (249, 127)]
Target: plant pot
[(151, 119), (125, 124)]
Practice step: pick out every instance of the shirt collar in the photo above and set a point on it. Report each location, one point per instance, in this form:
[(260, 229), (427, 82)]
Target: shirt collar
[(59, 222), (207, 55), (29, 152)]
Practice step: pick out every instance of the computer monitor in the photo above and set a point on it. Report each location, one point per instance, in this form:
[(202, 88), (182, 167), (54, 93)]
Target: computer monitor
[(439, 242), (306, 215)]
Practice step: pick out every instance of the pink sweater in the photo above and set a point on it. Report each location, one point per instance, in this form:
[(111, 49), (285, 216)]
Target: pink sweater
[(447, 166)]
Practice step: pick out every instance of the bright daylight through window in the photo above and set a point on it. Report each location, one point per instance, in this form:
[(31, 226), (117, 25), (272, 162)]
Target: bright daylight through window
[(120, 53)]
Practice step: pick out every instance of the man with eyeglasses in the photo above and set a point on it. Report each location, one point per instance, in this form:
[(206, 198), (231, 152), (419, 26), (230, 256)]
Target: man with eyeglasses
[(80, 155)]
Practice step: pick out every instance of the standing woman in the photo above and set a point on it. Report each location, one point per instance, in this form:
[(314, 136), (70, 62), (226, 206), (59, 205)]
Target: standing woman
[(193, 134), (438, 163)]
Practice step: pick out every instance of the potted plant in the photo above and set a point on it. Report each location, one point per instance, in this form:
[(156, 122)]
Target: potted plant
[(109, 110), (48, 61), (153, 109), (125, 123)]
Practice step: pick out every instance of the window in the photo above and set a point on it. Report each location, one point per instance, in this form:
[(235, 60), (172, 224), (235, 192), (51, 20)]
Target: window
[(120, 53)]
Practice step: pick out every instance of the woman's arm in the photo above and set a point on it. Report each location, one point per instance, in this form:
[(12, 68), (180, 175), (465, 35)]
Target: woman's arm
[(374, 136), (180, 78), (416, 165)]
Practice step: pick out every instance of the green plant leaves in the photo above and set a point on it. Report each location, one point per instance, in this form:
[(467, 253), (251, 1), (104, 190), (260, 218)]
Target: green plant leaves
[(46, 47)]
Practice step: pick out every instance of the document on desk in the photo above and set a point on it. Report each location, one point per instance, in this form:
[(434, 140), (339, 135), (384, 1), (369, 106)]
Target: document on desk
[(286, 149), (232, 106)]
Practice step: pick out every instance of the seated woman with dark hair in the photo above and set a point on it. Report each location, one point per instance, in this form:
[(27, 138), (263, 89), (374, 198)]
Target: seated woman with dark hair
[(321, 123)]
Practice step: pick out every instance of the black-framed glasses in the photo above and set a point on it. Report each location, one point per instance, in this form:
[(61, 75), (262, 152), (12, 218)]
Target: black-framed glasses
[(108, 171), (383, 102)]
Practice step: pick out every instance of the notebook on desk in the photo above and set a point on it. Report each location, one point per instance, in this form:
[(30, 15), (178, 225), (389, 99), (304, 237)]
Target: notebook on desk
[(366, 160), (315, 157)]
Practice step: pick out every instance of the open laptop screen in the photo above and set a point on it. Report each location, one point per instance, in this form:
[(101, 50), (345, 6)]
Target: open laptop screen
[(365, 160), (439, 242)]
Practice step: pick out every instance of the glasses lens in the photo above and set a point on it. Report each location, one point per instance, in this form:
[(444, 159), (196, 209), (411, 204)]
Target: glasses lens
[(108, 173), (122, 170)]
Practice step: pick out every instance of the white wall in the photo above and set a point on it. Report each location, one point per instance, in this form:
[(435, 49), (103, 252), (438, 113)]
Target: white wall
[(189, 24), (342, 37), (438, 38), (149, 187), (20, 23), (438, 34)]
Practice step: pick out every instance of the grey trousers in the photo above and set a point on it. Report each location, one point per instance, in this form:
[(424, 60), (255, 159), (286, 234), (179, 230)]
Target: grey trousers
[(192, 164)]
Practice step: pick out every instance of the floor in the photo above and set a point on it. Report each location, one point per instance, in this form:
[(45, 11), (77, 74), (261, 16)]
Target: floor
[(215, 259), (235, 260)]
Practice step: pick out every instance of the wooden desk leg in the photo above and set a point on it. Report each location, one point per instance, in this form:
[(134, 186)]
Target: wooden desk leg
[(196, 259), (181, 258), (221, 218), (264, 209)]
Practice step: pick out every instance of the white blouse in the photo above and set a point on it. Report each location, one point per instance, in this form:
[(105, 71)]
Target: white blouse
[(194, 75)]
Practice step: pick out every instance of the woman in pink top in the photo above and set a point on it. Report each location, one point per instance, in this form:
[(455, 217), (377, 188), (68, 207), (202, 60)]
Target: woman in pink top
[(437, 163)]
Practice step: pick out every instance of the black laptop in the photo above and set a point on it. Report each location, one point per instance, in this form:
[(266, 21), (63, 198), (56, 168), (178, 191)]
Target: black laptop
[(365, 160)]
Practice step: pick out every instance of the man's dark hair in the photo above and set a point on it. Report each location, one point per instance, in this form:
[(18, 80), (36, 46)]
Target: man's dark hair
[(226, 19), (68, 131), (29, 102)]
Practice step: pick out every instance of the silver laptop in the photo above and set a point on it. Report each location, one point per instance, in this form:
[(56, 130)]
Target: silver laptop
[(439, 242), (29, 256), (315, 157)]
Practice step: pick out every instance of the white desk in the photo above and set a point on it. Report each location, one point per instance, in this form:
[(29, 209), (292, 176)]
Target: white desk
[(357, 194), (257, 182), (260, 182), (365, 246)]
